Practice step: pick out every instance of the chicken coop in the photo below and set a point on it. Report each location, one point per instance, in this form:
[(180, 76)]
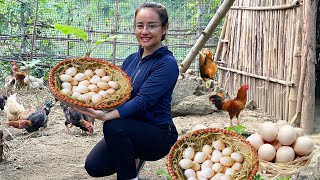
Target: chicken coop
[(27, 34), (274, 47)]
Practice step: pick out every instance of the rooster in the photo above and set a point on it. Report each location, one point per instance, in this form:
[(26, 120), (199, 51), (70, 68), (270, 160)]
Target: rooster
[(232, 106), (77, 119), (208, 67), (33, 119)]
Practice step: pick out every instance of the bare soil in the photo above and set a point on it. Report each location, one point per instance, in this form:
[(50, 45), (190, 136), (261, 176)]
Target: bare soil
[(53, 153)]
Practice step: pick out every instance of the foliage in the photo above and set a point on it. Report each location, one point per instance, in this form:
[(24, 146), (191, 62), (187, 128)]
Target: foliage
[(164, 173), (239, 129), (70, 30)]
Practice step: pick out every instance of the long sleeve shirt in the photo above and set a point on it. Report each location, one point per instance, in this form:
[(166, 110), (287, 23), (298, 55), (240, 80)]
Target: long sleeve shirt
[(153, 80)]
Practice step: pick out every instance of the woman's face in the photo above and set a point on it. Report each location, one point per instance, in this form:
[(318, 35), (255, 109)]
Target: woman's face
[(148, 29)]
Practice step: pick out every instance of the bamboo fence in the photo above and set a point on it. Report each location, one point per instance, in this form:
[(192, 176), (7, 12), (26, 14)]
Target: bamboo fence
[(261, 45)]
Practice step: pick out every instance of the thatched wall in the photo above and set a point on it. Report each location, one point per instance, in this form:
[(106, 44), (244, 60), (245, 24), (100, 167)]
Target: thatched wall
[(270, 45)]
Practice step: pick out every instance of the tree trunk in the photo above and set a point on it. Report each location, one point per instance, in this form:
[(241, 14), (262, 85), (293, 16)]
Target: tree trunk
[(206, 34), (308, 54)]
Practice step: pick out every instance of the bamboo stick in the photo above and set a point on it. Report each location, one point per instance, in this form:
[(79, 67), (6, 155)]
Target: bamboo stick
[(217, 55), (296, 66), (206, 34), (268, 8)]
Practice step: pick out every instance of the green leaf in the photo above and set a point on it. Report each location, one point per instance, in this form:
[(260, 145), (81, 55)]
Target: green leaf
[(239, 129), (72, 30), (100, 41), (164, 173)]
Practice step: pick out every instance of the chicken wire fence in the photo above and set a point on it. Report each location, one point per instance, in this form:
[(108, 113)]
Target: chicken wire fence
[(27, 34)]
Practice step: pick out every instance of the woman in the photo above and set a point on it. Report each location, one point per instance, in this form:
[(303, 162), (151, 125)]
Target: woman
[(142, 128)]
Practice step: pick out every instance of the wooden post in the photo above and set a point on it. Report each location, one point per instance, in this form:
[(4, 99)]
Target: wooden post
[(308, 54), (206, 34), (114, 32)]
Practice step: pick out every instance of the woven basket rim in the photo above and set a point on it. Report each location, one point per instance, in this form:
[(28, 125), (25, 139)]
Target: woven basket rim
[(212, 130), (73, 103), (286, 169)]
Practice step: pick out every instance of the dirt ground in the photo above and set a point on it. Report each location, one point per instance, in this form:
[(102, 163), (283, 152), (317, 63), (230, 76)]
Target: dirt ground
[(53, 153)]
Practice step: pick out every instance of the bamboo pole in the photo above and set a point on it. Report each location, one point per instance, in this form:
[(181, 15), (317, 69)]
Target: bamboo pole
[(308, 53), (293, 96), (217, 55), (268, 8), (114, 32), (34, 31), (206, 34)]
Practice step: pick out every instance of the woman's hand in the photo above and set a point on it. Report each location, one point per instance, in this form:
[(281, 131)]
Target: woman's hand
[(96, 114)]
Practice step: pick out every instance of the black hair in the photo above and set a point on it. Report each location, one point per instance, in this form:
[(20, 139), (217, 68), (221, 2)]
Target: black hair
[(160, 9)]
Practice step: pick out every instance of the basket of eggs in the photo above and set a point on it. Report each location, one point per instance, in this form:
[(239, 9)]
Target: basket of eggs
[(283, 150), (89, 83), (212, 153)]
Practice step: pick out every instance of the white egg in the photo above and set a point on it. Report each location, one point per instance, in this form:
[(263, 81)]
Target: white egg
[(199, 157), (195, 166), (237, 157), (89, 73), (103, 93), (114, 85), (217, 167), (76, 95), (82, 89), (96, 99), (218, 145), (206, 164), (103, 85), (100, 72), (84, 97), (90, 94), (110, 91), (207, 172), (207, 149), (229, 171), (189, 173), (84, 83), (93, 87), (227, 151), (74, 82), (80, 77), (71, 71), (217, 176), (106, 78), (185, 163), (188, 153), (216, 157), (66, 91), (65, 78), (236, 166), (66, 85), (95, 79), (226, 161)]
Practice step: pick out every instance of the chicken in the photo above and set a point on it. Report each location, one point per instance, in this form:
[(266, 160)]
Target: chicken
[(233, 106), (10, 84), (77, 119), (18, 74), (12, 109), (208, 67), (36, 118), (3, 100), (34, 83)]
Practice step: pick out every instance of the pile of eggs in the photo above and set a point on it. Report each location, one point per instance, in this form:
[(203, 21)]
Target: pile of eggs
[(214, 162), (280, 142), (89, 85)]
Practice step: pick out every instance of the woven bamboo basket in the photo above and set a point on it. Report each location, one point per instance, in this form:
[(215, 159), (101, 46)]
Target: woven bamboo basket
[(201, 137), (278, 170), (110, 102)]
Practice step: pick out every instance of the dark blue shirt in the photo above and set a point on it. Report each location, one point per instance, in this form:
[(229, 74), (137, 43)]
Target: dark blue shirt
[(153, 79)]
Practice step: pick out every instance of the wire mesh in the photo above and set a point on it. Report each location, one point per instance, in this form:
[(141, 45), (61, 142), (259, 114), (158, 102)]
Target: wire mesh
[(100, 19)]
